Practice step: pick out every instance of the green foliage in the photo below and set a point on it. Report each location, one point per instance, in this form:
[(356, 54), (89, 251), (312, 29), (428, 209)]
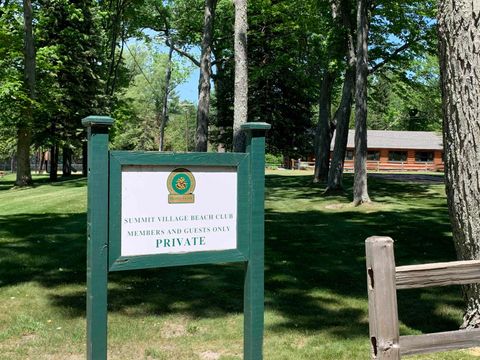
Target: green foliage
[(7, 142), (84, 66), (68, 55), (138, 111), (287, 41), (407, 100), (273, 160), (13, 97), (180, 130), (396, 23)]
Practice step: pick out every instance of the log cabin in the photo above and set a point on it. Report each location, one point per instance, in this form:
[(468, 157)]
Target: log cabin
[(399, 151)]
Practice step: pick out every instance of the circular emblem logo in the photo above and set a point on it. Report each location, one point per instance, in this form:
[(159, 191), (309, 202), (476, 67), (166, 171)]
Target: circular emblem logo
[(181, 184)]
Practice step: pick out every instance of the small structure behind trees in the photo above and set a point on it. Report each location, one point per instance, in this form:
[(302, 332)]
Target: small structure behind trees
[(399, 151)]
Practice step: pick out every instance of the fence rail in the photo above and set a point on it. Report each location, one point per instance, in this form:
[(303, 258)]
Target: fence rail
[(438, 274), (384, 279)]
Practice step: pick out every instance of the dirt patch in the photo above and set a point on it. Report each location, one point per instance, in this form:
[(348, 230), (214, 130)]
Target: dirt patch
[(173, 330), (474, 351), (210, 355), (415, 178), (335, 206)]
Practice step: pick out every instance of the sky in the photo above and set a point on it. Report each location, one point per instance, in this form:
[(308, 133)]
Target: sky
[(188, 91)]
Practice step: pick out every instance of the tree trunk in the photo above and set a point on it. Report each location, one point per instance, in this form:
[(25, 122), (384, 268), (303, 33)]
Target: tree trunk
[(66, 161), (240, 106), (201, 137), (459, 36), (42, 161), (53, 163), (168, 77), (323, 133), (360, 191), (342, 117), (24, 172), (341, 11)]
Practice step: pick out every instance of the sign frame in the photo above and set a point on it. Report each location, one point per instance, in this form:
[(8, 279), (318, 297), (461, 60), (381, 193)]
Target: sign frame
[(251, 180), (118, 159)]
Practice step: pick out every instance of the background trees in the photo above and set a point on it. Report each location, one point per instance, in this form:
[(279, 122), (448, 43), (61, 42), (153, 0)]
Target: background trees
[(300, 66)]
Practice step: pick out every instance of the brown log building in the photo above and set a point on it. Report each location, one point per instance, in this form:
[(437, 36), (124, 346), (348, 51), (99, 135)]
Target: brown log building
[(399, 151)]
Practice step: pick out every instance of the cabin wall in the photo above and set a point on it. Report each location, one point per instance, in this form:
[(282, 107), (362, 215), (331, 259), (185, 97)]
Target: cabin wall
[(409, 165)]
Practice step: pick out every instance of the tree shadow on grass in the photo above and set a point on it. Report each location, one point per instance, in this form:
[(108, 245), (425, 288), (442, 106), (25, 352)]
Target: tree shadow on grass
[(68, 181), (325, 252), (314, 269)]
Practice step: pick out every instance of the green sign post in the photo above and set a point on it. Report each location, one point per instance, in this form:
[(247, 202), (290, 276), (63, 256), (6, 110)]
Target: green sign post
[(153, 209)]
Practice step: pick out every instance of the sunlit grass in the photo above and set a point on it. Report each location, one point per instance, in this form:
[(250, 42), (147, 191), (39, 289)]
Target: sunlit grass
[(316, 302)]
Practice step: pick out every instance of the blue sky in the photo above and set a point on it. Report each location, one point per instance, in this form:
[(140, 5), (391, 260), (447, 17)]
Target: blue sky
[(189, 89)]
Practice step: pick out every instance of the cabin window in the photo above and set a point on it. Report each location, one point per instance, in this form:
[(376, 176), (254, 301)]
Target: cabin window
[(423, 156), (349, 155), (397, 156), (373, 155)]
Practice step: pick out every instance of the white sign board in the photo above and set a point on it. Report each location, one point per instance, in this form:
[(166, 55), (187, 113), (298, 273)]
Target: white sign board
[(172, 210)]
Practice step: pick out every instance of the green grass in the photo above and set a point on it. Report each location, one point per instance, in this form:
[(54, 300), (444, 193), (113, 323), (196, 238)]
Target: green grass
[(316, 301)]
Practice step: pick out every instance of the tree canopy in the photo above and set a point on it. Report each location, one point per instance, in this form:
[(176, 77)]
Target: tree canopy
[(111, 57)]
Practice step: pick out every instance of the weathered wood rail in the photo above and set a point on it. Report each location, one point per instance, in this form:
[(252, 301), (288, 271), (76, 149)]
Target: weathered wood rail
[(384, 279)]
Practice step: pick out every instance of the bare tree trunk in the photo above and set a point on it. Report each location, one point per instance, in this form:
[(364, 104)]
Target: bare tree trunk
[(325, 128), (24, 132), (42, 161), (240, 106), (168, 76), (341, 11), (54, 163), (342, 116), (201, 137), (66, 161), (53, 176), (459, 36), (24, 140), (360, 191)]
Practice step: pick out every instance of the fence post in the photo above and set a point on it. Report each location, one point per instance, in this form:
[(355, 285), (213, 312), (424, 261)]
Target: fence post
[(382, 298), (254, 274), (97, 235)]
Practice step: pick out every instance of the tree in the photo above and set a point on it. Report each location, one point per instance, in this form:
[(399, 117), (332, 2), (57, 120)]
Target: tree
[(406, 98), (325, 127), (458, 33), (343, 113), (68, 32), (166, 97), (241, 75), (14, 98), (399, 33), (284, 53), (201, 137), (342, 35), (360, 190), (141, 104), (24, 132)]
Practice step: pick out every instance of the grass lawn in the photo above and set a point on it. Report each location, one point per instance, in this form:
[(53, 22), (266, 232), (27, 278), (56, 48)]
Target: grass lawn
[(316, 301)]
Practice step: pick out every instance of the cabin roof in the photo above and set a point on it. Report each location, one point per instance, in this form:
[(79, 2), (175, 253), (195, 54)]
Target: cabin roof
[(386, 139)]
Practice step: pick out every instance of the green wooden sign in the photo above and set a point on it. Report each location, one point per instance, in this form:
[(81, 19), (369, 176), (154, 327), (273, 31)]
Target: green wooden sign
[(153, 209)]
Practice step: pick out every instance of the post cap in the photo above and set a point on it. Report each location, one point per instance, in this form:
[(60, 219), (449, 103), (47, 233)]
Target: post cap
[(96, 120), (379, 240), (255, 126)]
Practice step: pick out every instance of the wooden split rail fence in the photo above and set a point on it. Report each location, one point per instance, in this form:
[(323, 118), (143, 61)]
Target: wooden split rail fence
[(384, 279)]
